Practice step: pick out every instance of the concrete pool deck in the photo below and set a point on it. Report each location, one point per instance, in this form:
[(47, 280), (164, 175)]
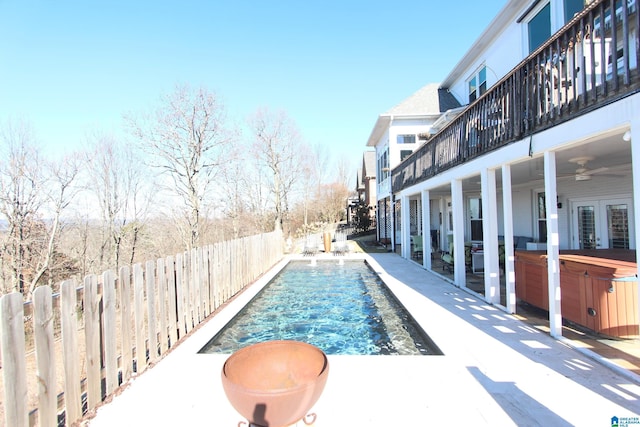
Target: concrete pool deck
[(496, 371)]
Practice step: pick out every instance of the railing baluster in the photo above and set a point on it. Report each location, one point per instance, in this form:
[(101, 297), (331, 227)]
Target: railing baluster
[(625, 43)]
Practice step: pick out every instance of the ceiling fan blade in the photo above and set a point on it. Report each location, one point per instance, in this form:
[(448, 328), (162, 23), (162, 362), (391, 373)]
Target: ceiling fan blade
[(594, 171)]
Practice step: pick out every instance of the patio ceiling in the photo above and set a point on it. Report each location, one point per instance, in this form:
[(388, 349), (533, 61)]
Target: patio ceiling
[(609, 154)]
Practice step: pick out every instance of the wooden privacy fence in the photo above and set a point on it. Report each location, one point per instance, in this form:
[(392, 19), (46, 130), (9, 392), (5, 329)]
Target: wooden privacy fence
[(63, 354)]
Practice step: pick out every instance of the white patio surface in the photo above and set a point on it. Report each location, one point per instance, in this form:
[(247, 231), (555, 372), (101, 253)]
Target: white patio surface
[(495, 371)]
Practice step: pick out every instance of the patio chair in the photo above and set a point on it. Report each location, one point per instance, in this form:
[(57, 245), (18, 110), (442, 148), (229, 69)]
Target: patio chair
[(447, 257), (310, 246), (341, 246), (416, 241)]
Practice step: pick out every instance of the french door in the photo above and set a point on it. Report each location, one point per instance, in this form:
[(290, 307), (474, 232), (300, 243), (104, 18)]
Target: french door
[(602, 224)]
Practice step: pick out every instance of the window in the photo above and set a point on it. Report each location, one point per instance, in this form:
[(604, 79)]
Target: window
[(406, 139), (475, 216), (540, 28), (404, 154), (383, 165), (571, 8), (542, 218), (478, 84)]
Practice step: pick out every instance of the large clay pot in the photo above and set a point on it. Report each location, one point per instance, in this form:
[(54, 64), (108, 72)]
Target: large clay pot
[(275, 383), (327, 242)]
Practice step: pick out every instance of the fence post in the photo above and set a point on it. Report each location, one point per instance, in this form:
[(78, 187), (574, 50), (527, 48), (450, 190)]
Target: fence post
[(92, 338), (125, 322), (109, 322), (151, 310), (45, 355), (210, 270), (186, 280), (172, 300), (180, 295), (162, 305), (70, 356), (14, 371), (138, 290)]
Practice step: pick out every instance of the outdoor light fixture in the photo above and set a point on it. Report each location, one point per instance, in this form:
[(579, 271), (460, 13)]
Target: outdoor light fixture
[(627, 136)]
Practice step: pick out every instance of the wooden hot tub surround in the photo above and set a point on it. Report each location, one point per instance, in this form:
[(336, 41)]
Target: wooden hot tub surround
[(598, 288)]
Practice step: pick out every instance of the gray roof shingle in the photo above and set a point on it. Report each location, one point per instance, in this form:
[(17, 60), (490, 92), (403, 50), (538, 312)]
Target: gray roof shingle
[(430, 99)]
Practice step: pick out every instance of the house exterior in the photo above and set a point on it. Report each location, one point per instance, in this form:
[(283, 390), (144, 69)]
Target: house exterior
[(365, 187), (367, 195), (544, 152), (396, 134)]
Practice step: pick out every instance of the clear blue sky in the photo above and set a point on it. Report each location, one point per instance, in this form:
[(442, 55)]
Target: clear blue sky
[(71, 67)]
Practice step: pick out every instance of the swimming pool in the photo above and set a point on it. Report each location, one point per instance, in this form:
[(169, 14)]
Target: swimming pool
[(342, 308)]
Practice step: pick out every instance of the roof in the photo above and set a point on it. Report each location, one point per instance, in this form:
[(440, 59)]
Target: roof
[(369, 164), (429, 101)]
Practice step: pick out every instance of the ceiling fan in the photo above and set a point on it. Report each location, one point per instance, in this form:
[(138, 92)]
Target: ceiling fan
[(582, 172)]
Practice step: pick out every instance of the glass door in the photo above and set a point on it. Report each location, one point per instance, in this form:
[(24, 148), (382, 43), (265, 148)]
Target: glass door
[(618, 225), (602, 224), (588, 236), (448, 225)]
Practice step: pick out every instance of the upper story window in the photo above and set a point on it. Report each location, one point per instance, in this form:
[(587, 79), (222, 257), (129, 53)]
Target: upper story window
[(383, 165), (571, 8), (404, 154), (539, 27), (406, 139), (478, 84)]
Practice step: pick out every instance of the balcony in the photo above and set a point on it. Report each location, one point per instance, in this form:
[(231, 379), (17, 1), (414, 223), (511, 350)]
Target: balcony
[(590, 63)]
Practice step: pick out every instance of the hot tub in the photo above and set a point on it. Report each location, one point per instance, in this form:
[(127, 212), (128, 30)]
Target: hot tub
[(598, 288)]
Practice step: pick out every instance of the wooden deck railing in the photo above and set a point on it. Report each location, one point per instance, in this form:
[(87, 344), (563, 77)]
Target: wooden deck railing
[(63, 354), (591, 62)]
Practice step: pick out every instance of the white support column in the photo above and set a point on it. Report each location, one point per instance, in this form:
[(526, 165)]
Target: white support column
[(426, 230), (442, 223), (457, 207), (405, 227), (392, 217), (553, 244), (490, 236), (509, 258), (635, 169)]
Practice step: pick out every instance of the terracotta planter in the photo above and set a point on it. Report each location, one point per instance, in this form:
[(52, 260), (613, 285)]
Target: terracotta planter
[(275, 383), (327, 242)]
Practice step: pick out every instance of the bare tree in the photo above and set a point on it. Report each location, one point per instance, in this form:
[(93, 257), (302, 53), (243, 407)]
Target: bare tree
[(277, 147), (118, 182), (186, 138), (59, 193), (235, 184), (314, 164), (20, 201), (331, 202)]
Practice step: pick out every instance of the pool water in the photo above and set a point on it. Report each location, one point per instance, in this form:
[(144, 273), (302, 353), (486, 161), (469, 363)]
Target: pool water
[(340, 308)]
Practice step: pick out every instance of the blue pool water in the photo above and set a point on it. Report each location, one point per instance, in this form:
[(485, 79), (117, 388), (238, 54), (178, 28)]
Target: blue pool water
[(342, 309)]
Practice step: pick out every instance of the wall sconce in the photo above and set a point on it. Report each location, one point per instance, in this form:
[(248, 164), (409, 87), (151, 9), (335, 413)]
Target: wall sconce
[(627, 136)]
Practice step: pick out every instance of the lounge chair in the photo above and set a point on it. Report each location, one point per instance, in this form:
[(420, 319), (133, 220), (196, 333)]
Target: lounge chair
[(341, 246), (310, 246)]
